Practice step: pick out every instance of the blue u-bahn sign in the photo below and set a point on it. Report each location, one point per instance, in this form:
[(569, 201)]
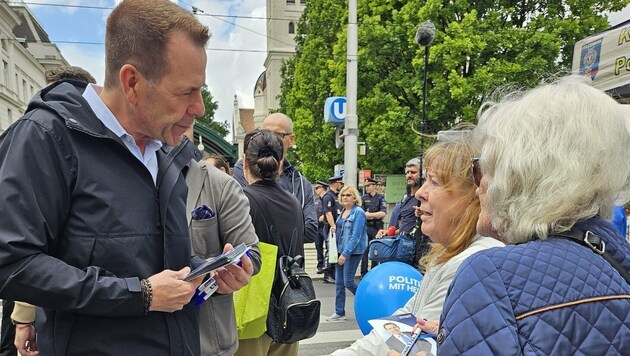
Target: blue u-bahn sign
[(335, 110)]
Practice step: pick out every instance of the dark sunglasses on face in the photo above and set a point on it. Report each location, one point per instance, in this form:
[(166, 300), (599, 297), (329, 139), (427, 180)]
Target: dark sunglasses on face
[(476, 171), (283, 134), (346, 195)]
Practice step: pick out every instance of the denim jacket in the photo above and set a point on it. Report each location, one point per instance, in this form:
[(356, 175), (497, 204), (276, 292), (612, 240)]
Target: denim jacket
[(351, 232)]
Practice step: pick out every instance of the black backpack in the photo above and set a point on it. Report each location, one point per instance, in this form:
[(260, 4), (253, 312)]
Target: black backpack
[(293, 309)]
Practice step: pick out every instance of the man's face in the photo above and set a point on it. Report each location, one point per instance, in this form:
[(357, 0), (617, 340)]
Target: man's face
[(336, 186), (393, 329), (412, 174), (370, 188), (167, 108), (320, 190), (277, 124)]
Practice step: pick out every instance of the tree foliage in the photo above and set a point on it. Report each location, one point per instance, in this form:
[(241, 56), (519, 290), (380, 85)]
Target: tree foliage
[(208, 120), (479, 46)]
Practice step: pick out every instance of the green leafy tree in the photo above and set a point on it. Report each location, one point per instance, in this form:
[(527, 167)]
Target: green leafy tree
[(479, 46), (208, 120)]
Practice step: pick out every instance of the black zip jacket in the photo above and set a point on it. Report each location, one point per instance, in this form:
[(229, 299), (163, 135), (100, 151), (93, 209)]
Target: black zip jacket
[(81, 223)]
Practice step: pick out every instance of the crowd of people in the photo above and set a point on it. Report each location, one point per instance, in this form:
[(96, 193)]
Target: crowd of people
[(114, 207)]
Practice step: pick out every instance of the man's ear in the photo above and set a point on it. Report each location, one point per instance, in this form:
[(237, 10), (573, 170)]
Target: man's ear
[(130, 82)]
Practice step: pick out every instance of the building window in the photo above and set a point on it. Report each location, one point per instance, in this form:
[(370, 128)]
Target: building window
[(24, 88), (10, 116), (5, 73), (290, 1), (303, 2), (291, 27)]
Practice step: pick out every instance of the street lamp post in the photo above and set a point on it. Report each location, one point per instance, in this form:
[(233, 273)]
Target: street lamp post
[(424, 37), (351, 130)]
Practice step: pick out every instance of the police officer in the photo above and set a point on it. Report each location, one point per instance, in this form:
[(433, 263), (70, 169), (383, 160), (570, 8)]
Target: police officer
[(320, 190), (375, 209), (332, 209)]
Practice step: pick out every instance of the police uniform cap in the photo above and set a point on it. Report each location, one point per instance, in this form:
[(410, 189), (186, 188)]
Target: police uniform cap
[(322, 183), (369, 181), (334, 179)]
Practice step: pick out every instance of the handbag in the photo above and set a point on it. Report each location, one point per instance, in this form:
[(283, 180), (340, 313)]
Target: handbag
[(251, 303), (398, 248), (333, 254), (294, 310)]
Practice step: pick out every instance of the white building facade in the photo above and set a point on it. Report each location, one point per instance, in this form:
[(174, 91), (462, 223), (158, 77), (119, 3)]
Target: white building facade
[(25, 54), (282, 21)]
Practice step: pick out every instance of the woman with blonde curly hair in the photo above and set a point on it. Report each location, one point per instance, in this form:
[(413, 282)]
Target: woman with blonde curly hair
[(448, 209)]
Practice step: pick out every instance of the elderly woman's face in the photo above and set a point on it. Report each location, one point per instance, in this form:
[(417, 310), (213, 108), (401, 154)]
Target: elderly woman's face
[(484, 227), (441, 209), (347, 199)]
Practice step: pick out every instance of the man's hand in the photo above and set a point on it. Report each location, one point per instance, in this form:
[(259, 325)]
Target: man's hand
[(232, 277), (417, 212), (25, 339), (170, 292), (380, 234)]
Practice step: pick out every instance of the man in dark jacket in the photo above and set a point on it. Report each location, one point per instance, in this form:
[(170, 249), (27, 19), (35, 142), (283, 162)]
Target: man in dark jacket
[(290, 178), (93, 226)]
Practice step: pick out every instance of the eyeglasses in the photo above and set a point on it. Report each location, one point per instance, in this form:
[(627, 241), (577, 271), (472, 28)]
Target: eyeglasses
[(476, 171), (346, 195), (283, 134)]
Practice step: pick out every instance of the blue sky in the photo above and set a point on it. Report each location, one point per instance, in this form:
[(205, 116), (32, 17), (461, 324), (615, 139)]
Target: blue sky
[(228, 73)]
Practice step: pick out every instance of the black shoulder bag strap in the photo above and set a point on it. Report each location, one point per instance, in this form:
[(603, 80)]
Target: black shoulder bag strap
[(597, 245), (275, 234)]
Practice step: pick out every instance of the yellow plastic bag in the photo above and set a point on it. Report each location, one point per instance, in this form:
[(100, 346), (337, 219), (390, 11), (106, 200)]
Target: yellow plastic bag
[(251, 303)]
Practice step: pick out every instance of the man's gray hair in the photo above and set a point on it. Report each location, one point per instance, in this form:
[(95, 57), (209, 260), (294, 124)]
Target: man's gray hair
[(414, 162)]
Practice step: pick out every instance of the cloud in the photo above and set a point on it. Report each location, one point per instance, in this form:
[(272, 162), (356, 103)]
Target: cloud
[(234, 73), (73, 5)]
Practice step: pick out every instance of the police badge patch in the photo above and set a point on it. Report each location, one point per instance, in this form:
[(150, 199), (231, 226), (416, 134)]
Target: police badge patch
[(589, 58)]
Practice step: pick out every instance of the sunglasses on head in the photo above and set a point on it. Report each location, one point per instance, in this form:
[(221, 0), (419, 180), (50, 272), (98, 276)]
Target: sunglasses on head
[(476, 171)]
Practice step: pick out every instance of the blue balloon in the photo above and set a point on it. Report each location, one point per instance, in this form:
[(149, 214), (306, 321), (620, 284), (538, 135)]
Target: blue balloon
[(383, 290)]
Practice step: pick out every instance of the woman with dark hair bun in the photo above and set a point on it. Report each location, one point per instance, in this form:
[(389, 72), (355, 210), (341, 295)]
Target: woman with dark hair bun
[(270, 205)]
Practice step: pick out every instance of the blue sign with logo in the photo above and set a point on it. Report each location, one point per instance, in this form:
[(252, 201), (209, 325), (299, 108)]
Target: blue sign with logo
[(335, 109), (589, 58)]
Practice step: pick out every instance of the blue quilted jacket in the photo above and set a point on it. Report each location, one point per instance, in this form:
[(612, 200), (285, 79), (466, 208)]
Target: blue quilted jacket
[(553, 297)]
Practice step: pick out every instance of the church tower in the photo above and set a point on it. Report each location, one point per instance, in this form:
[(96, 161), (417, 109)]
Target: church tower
[(282, 20)]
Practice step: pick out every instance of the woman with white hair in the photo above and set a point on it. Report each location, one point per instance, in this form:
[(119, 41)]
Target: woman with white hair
[(552, 164)]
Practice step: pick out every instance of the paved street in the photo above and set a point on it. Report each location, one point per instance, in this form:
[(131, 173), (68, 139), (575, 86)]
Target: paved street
[(330, 335)]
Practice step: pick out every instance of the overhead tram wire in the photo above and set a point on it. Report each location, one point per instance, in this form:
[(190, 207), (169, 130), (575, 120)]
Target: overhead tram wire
[(195, 11), (102, 44), (203, 13), (111, 8)]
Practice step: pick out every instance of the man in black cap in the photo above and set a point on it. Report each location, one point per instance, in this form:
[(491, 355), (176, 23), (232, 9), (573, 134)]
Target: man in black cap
[(320, 190), (332, 209), (375, 209)]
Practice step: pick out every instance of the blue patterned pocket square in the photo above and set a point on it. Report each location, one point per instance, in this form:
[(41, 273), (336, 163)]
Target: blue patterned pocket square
[(203, 212)]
